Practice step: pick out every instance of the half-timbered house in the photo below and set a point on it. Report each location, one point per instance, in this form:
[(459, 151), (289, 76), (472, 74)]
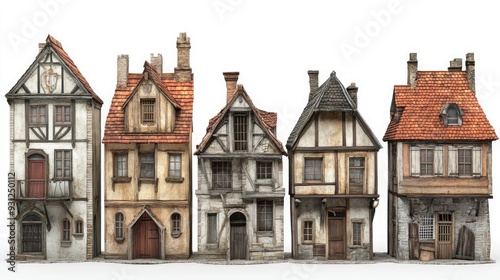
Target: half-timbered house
[(240, 193), (440, 166), (55, 126), (147, 143), (332, 175)]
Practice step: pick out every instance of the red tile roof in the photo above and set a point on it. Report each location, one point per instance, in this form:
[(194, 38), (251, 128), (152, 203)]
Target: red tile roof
[(57, 46), (420, 119), (179, 93), (267, 119)]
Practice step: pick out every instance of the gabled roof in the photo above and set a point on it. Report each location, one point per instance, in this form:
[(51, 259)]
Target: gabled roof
[(179, 93), (331, 96), (268, 121), (419, 108), (56, 46)]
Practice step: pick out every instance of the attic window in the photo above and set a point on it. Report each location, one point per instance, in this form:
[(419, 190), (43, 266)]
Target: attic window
[(451, 114)]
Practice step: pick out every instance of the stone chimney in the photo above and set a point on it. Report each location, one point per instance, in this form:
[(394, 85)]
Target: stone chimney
[(313, 83), (231, 79), (41, 46), (122, 71), (157, 63), (470, 69), (412, 70), (455, 65), (353, 92), (183, 70)]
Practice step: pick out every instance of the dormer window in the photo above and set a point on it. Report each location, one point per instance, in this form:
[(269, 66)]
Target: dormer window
[(148, 111), (451, 114)]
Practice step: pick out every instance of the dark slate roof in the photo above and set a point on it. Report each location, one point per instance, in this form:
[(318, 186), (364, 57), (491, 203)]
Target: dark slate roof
[(331, 96)]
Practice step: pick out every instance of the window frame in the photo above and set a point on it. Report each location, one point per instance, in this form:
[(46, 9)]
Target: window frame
[(78, 228), (240, 132), (144, 162), (65, 111), (63, 167), (116, 164), (353, 170), (357, 233), (212, 231), (172, 171), (426, 227), (262, 168), (176, 224), (314, 174), (38, 115), (65, 232), (427, 163), (265, 218), (119, 226), (309, 233), (226, 174), (148, 111), (462, 163)]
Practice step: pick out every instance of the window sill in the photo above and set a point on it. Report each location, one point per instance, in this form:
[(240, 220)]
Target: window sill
[(174, 179), (176, 234), (265, 233), (60, 179), (65, 243), (308, 242), (119, 239), (78, 235), (122, 179)]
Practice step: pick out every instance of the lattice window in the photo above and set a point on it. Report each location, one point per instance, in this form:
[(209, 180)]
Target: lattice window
[(147, 165), (62, 114), (426, 161), (464, 161), (265, 215), (176, 223), (62, 164), (307, 231), (119, 220), (121, 164), (357, 228), (66, 230), (313, 169), (426, 227), (240, 132), (356, 175), (148, 111), (174, 166), (221, 174), (38, 114), (264, 170)]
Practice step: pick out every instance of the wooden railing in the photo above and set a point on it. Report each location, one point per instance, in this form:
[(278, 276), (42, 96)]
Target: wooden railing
[(43, 189)]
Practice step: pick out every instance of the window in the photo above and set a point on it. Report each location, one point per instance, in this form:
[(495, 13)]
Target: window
[(174, 166), (265, 215), (221, 174), (312, 169), (240, 133), (452, 116), (119, 219), (147, 161), (307, 228), (464, 161), (62, 114), (62, 164), (426, 161), (264, 170), (38, 114), (356, 175), (148, 111), (176, 224), (357, 233), (121, 164), (32, 234), (426, 228), (79, 227), (212, 228), (66, 230)]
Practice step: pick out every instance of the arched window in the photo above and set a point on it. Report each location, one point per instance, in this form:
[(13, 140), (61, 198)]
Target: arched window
[(79, 227), (176, 224), (66, 232), (119, 219), (451, 114)]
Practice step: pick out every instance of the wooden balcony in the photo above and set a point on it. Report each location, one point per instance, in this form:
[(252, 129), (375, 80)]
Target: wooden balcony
[(442, 186), (43, 189)]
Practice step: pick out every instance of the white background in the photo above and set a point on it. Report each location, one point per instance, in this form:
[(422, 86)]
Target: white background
[(272, 44)]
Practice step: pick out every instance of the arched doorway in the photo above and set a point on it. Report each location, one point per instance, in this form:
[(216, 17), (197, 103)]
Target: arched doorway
[(146, 238), (32, 234), (36, 176), (238, 236)]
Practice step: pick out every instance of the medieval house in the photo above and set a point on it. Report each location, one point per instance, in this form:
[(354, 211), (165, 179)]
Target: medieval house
[(240, 193), (440, 166), (332, 175), (147, 143), (55, 124)]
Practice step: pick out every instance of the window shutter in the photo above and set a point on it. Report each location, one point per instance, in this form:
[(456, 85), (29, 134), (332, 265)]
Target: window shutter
[(476, 161), (415, 160), (452, 161), (438, 161)]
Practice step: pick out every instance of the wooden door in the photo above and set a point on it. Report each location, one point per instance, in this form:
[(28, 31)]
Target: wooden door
[(238, 237), (413, 244), (336, 236), (36, 178), (146, 238), (444, 241), (32, 234)]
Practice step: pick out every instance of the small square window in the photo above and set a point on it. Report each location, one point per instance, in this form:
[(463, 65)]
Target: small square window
[(62, 114), (264, 170), (147, 161), (174, 166), (148, 111), (307, 228), (313, 169)]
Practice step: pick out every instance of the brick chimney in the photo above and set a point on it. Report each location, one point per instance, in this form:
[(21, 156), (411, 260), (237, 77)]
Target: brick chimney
[(122, 71), (231, 79), (183, 70), (313, 83), (157, 63), (455, 65), (353, 92), (412, 70), (470, 69)]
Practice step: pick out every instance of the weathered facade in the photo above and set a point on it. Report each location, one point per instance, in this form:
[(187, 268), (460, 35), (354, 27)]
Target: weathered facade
[(332, 175), (240, 193), (440, 166), (147, 143), (55, 126)]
